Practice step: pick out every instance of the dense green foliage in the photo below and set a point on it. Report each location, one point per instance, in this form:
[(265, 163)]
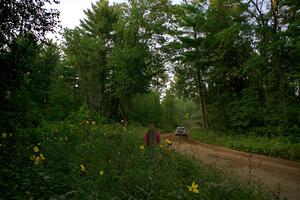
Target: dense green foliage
[(243, 57), (26, 64), (280, 146), (235, 61), (146, 109), (114, 54), (25, 91), (26, 16), (83, 160)]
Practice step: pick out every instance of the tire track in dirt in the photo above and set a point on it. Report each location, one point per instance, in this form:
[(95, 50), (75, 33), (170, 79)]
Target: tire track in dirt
[(281, 177)]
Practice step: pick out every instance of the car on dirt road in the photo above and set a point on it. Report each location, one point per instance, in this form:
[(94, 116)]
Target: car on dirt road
[(180, 131)]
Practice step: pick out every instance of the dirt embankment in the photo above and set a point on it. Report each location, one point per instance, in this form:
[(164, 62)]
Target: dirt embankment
[(276, 174)]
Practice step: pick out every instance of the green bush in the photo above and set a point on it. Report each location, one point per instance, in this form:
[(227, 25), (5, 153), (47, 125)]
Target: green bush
[(279, 146), (82, 159)]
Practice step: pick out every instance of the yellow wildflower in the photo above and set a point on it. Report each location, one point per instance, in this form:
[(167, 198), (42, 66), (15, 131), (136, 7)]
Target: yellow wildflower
[(168, 142), (36, 149), (193, 187), (82, 168), (186, 115), (37, 160), (4, 135), (42, 156), (101, 172), (161, 146), (87, 122), (32, 157), (93, 123), (142, 147)]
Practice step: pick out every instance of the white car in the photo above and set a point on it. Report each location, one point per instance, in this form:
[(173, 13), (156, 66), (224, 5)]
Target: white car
[(180, 131)]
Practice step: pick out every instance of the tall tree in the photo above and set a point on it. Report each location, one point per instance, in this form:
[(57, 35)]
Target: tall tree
[(191, 18), (23, 25), (129, 70), (276, 47), (115, 51), (213, 50), (25, 102), (152, 20), (87, 48), (20, 17)]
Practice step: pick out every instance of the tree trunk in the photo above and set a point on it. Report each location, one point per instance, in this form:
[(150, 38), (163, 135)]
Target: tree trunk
[(123, 115), (203, 109), (200, 88), (275, 10), (202, 100)]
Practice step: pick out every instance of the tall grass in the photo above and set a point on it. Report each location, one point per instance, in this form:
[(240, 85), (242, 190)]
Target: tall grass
[(281, 147), (84, 160)]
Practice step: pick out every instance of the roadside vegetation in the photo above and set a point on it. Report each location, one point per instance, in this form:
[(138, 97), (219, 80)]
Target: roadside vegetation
[(280, 146), (81, 159)]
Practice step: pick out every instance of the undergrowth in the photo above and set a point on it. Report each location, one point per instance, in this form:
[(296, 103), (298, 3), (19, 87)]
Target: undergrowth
[(276, 146), (81, 159)]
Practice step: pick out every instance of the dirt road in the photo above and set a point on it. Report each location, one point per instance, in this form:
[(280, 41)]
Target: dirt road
[(276, 174)]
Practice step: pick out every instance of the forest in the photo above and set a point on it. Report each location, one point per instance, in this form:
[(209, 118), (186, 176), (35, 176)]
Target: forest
[(227, 70)]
